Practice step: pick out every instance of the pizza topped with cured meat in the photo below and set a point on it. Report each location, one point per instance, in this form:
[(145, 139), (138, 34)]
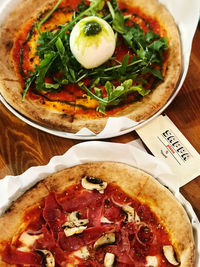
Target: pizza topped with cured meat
[(73, 64), (84, 216)]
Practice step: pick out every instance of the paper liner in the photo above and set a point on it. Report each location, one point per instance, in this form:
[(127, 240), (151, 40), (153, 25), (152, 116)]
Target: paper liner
[(186, 15), (134, 154)]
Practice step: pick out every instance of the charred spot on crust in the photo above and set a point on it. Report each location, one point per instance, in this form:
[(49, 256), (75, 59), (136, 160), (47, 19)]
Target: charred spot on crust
[(9, 45), (71, 179), (9, 209), (64, 115)]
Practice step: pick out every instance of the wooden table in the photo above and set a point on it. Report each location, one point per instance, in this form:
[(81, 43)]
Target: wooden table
[(22, 146)]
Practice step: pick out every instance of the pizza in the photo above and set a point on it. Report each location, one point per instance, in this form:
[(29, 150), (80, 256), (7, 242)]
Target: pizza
[(72, 64), (97, 214)]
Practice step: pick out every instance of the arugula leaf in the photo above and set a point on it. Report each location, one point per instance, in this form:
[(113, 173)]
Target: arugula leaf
[(156, 72), (52, 85), (69, 73), (94, 7), (147, 47), (98, 92), (124, 64), (55, 56), (114, 94), (82, 6), (118, 21), (38, 76), (158, 44), (47, 16), (44, 38), (135, 37), (61, 81), (150, 36), (28, 82), (42, 69), (141, 53)]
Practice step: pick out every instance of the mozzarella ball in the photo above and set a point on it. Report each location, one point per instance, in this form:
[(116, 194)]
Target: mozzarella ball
[(92, 42)]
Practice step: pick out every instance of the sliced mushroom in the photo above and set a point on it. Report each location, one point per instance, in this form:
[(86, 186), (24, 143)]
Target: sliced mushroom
[(47, 257), (82, 253), (68, 225), (151, 261), (109, 260), (75, 224), (81, 222), (73, 216), (106, 239), (105, 220), (74, 230), (137, 218), (74, 221), (131, 214), (170, 255), (91, 183)]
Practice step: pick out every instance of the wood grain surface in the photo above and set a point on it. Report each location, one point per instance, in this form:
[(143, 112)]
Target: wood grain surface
[(22, 146)]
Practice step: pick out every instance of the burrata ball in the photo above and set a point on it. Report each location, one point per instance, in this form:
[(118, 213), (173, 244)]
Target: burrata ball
[(92, 42)]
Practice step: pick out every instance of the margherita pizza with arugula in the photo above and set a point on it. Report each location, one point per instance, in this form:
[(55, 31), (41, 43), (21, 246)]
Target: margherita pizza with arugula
[(97, 214), (72, 64)]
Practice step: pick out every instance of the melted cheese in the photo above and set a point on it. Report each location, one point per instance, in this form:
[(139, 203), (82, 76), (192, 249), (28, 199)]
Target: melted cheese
[(27, 241), (82, 253), (152, 261)]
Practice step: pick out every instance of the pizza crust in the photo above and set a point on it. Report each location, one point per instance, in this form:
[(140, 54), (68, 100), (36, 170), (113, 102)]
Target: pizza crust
[(134, 182), (10, 86)]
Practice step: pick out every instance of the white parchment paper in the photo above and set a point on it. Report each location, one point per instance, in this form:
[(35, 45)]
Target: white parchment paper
[(134, 154), (186, 15)]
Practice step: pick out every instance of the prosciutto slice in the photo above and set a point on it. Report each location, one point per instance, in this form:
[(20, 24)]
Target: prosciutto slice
[(53, 214), (13, 256), (83, 200)]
